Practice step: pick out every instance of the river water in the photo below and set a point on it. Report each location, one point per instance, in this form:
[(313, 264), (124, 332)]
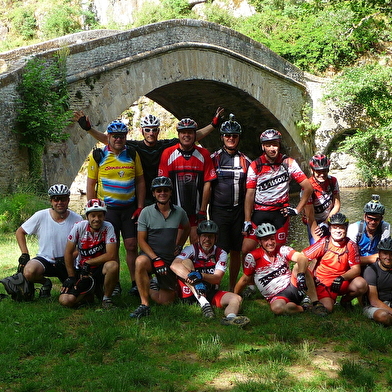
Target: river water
[(352, 199)]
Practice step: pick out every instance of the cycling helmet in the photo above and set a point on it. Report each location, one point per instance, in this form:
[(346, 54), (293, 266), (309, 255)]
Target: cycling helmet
[(319, 162), (374, 206), (150, 121), (58, 190), (95, 205), (270, 134), (207, 226), (338, 219), (385, 244), (117, 127), (231, 127), (162, 181), (265, 229), (187, 123)]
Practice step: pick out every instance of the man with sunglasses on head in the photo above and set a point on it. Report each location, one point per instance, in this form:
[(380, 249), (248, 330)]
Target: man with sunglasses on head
[(115, 175), (52, 226), (368, 232), (228, 194), (151, 147)]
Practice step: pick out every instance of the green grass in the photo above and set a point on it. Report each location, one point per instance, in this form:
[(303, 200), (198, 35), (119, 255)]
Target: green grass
[(45, 347)]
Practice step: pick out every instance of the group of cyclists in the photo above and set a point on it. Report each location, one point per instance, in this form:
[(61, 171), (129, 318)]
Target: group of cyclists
[(160, 195)]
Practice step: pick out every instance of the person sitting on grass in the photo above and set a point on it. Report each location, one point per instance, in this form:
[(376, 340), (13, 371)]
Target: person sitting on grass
[(337, 266), (378, 301), (200, 268), (96, 269), (268, 267)]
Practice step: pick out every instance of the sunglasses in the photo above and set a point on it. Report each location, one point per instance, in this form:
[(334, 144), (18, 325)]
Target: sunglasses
[(228, 136), (162, 190), (119, 136), (59, 198), (151, 129)]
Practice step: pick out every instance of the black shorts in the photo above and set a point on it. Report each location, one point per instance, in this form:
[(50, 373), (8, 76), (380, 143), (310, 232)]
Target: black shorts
[(98, 277), (56, 269), (121, 220), (229, 221), (168, 281), (276, 218), (290, 293)]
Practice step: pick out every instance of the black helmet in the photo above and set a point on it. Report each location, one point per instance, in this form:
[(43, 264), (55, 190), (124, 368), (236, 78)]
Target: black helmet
[(264, 230), (338, 219), (319, 162), (162, 181), (270, 134), (186, 123), (231, 127), (385, 244), (374, 206), (207, 226)]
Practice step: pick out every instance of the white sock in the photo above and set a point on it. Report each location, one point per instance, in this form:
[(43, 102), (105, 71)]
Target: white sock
[(105, 297), (202, 301), (231, 315)]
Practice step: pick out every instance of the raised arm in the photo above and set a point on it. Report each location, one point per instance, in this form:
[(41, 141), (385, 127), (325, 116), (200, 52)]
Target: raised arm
[(203, 132), (85, 124)]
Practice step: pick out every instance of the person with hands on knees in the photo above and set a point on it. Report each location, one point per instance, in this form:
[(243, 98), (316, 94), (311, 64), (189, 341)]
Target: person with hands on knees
[(162, 231), (378, 275), (269, 268), (52, 226), (115, 175), (96, 269), (336, 265), (200, 268)]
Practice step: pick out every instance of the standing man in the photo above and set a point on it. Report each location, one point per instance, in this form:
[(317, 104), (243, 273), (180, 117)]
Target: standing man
[(378, 302), (95, 241), (160, 240), (228, 194), (368, 232), (200, 268), (52, 227), (115, 175), (150, 148), (324, 201), (267, 193), (337, 266), (269, 268), (191, 170)]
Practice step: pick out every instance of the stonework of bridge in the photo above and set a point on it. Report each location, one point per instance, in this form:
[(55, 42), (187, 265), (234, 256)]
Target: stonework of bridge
[(189, 67)]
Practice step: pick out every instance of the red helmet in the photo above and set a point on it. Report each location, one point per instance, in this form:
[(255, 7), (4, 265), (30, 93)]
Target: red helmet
[(319, 162), (187, 123), (95, 205), (270, 134)]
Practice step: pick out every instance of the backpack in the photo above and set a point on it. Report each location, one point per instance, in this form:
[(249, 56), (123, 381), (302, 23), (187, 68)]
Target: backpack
[(18, 287), (98, 154)]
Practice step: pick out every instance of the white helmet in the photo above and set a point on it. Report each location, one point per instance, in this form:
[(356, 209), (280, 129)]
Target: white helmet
[(265, 229), (58, 190), (94, 205), (150, 121)]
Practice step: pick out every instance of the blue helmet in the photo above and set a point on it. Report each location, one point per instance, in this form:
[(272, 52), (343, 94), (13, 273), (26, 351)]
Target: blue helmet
[(117, 127)]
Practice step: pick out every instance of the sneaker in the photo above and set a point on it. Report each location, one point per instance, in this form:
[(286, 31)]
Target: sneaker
[(207, 310), (240, 321), (319, 309), (134, 291), (117, 290), (154, 285), (248, 292), (44, 291), (107, 304), (346, 305), (307, 304), (141, 311)]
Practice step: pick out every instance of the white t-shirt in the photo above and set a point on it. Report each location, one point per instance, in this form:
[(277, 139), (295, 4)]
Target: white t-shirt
[(52, 236)]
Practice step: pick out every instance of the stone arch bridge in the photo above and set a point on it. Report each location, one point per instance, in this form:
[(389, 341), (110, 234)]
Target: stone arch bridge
[(189, 67)]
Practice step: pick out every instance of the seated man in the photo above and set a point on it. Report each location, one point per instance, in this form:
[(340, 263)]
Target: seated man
[(96, 268), (200, 268), (160, 239), (268, 267), (52, 226), (379, 278), (337, 267)]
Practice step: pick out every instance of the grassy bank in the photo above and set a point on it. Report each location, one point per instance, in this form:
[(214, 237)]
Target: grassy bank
[(49, 348)]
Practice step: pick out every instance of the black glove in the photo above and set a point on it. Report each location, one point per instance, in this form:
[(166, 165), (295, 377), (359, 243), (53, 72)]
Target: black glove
[(301, 282), (85, 269), (289, 211), (201, 289), (160, 266), (195, 277), (84, 123), (69, 282), (247, 227), (201, 216), (23, 259), (336, 284)]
